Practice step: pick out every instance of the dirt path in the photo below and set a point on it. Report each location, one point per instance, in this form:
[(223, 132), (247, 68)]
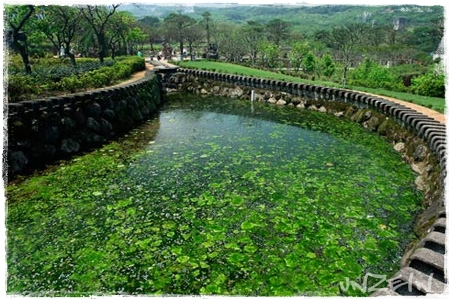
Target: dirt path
[(426, 111)]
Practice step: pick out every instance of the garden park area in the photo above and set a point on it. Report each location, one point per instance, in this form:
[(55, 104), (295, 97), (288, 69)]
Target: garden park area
[(59, 49)]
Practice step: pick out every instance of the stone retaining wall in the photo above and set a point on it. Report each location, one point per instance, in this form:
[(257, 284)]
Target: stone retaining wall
[(42, 131), (420, 140), (45, 130)]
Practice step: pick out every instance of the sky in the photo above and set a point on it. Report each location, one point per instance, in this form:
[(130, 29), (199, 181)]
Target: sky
[(314, 2)]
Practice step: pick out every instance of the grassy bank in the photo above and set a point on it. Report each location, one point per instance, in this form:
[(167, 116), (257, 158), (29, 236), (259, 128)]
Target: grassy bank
[(437, 104)]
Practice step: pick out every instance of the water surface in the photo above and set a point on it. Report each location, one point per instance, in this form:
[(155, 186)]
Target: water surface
[(226, 197)]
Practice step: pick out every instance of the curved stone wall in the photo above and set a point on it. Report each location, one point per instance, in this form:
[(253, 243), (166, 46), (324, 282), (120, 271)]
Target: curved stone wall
[(44, 130), (422, 269)]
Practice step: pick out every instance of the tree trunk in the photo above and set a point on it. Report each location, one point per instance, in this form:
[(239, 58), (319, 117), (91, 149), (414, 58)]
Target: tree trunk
[(127, 46), (103, 48), (113, 53), (19, 44), (26, 60), (253, 57), (190, 52), (181, 49), (70, 54), (101, 58), (18, 37), (72, 59), (344, 75)]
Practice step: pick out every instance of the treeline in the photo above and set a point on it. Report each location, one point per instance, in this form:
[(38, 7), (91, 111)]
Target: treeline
[(334, 53), (358, 54), (72, 32)]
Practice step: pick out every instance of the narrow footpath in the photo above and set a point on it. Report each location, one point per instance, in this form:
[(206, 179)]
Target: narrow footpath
[(424, 110), (149, 66)]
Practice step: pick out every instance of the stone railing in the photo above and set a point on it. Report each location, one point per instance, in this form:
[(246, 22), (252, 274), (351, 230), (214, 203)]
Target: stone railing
[(44, 130), (422, 269)]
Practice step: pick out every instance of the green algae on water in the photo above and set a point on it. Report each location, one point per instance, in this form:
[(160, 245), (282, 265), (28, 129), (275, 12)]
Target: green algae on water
[(215, 196)]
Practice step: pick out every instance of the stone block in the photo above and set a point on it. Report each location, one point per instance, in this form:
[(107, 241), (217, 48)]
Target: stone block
[(430, 257)]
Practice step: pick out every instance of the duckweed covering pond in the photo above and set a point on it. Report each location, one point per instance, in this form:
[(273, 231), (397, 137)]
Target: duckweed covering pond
[(226, 197)]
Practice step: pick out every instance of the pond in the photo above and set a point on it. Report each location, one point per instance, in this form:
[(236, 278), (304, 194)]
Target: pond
[(216, 196)]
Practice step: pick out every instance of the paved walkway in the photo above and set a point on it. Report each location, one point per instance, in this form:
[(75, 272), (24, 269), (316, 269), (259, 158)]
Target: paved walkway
[(148, 67), (424, 110), (136, 76)]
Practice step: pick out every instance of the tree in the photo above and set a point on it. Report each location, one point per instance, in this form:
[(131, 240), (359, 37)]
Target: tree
[(230, 42), (278, 30), (98, 18), (345, 41), (117, 32), (135, 37), (16, 18), (121, 32), (150, 26), (45, 24), (60, 24), (253, 33), (194, 36), (206, 21), (177, 26), (269, 53), (378, 35), (425, 39), (149, 21), (298, 52)]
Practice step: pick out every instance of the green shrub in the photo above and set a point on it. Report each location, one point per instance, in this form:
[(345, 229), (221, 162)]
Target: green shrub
[(373, 75), (71, 83), (22, 87), (372, 72), (136, 63), (86, 80), (100, 79), (55, 75), (430, 84), (309, 62), (109, 73), (327, 65), (15, 65), (97, 78), (122, 71)]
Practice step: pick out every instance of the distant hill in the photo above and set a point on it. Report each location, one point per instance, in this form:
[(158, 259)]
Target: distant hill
[(305, 18)]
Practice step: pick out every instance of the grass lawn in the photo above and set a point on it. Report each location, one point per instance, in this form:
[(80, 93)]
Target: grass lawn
[(437, 104)]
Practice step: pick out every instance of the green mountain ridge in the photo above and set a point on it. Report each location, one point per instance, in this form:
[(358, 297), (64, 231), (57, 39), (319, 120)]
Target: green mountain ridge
[(304, 18)]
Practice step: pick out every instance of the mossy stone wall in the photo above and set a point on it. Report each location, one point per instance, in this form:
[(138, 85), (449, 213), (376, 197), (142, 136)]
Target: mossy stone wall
[(44, 130)]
